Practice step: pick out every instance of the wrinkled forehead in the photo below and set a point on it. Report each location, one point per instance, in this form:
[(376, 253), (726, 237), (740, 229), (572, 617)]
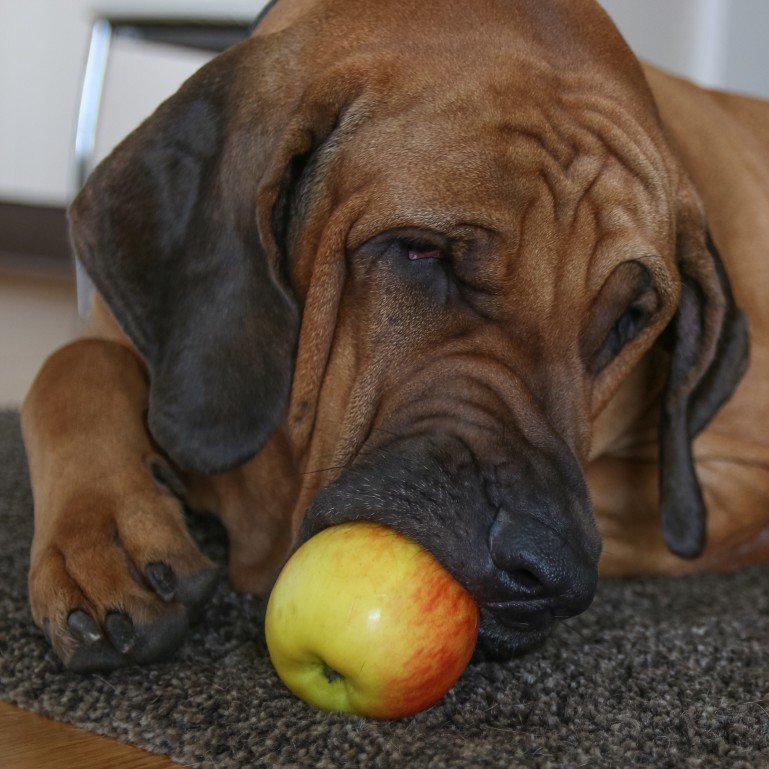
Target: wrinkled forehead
[(540, 166), (531, 119), (475, 100), (428, 45)]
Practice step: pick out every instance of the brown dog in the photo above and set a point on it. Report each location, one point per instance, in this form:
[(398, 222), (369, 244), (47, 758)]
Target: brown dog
[(443, 265)]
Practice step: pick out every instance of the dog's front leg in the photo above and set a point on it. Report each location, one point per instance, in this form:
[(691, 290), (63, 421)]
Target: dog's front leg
[(115, 576)]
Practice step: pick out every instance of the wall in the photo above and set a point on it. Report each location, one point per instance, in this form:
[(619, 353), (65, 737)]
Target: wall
[(719, 43), (747, 66), (43, 45), (688, 37)]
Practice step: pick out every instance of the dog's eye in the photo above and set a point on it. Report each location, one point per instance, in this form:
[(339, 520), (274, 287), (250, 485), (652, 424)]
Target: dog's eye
[(419, 247), (422, 245), (627, 302), (629, 325), (415, 254)]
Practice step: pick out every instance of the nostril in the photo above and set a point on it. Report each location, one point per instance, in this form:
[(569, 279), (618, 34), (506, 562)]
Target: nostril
[(525, 579), (538, 569), (519, 557)]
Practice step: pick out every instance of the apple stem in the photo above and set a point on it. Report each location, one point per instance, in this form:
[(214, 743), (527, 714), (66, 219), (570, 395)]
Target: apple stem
[(331, 674)]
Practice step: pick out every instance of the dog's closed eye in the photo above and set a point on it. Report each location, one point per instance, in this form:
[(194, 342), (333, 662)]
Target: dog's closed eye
[(624, 307), (415, 254), (421, 244)]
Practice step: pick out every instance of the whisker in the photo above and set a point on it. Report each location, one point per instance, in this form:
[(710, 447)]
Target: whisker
[(566, 626)]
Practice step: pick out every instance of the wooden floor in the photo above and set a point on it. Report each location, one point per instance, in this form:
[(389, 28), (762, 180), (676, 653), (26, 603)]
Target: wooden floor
[(28, 741), (37, 315)]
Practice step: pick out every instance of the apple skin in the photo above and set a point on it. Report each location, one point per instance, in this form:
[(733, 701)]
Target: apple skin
[(363, 620)]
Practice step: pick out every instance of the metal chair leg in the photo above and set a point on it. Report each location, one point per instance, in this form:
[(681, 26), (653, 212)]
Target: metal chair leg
[(85, 135)]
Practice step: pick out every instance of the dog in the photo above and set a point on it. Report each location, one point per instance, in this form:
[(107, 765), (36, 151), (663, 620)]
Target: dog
[(468, 270)]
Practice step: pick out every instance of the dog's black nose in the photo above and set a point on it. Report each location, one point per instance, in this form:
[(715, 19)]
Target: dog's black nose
[(544, 575)]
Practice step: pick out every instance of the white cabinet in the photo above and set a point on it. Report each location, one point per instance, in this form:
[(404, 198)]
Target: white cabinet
[(43, 45)]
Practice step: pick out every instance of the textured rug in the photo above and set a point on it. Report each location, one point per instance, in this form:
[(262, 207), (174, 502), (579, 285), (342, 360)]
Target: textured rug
[(659, 672)]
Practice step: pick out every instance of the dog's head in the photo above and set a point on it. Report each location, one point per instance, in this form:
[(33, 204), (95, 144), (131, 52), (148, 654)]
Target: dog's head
[(430, 241)]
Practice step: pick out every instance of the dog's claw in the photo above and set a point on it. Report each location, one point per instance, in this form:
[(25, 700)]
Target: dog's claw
[(120, 631), (162, 580), (129, 644), (124, 641), (83, 628)]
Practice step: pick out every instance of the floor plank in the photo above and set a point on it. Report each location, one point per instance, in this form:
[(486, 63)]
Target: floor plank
[(28, 741)]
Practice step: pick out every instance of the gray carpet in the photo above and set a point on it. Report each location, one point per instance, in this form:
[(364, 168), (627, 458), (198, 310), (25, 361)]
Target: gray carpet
[(660, 672)]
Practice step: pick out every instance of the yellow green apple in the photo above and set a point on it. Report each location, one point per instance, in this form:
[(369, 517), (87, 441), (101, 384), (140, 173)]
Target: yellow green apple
[(363, 620)]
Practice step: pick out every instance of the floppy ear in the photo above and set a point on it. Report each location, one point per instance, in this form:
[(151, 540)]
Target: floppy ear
[(710, 354), (180, 229)]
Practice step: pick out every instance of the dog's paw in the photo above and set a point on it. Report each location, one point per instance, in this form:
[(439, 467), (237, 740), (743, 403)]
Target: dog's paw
[(115, 577)]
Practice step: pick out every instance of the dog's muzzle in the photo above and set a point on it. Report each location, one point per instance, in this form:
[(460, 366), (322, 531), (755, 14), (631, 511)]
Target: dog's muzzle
[(516, 530)]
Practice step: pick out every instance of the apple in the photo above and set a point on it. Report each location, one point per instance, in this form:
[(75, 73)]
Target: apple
[(363, 620)]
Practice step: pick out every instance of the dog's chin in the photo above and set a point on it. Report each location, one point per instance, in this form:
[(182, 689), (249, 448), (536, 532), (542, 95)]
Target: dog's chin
[(497, 642)]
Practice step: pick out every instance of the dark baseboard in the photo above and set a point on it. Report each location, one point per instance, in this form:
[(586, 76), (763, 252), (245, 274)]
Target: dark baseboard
[(34, 239)]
